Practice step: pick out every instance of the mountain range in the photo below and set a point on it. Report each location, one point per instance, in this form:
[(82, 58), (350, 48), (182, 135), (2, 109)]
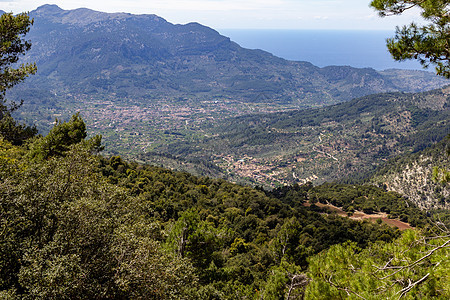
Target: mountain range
[(84, 52)]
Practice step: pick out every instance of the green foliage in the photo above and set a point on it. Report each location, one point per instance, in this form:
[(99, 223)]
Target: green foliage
[(440, 174), (285, 243), (236, 234), (427, 43), (412, 267), (66, 233), (77, 225), (196, 239), (144, 269), (369, 199), (12, 46), (335, 264), (61, 137), (14, 132), (285, 281)]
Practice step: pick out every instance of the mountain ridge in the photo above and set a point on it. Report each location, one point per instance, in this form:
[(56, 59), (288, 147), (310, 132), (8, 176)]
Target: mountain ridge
[(85, 52)]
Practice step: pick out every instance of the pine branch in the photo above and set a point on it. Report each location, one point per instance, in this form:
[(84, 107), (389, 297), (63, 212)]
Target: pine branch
[(345, 289), (401, 268), (412, 285)]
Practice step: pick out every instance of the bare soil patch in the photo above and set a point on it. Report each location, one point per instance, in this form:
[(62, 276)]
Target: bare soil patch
[(359, 215)]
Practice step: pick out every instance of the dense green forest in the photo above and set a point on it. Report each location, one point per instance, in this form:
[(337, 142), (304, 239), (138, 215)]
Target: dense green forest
[(78, 225)]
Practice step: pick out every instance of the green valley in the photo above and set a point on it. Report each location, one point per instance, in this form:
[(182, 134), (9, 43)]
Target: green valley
[(318, 145)]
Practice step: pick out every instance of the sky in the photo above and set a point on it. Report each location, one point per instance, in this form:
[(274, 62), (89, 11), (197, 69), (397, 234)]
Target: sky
[(241, 14)]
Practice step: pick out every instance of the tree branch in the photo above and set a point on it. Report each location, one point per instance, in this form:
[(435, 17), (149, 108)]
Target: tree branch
[(347, 290), (400, 268), (411, 286)]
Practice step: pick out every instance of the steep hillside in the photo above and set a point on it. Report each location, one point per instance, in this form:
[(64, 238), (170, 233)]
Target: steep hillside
[(124, 56), (412, 175)]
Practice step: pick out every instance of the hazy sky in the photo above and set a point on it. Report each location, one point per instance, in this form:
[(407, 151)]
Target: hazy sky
[(264, 14)]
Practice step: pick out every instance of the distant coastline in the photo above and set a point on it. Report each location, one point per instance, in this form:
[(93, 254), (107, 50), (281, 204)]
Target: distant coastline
[(356, 48)]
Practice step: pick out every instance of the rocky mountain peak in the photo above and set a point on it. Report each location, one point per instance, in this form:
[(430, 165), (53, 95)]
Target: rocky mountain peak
[(79, 17)]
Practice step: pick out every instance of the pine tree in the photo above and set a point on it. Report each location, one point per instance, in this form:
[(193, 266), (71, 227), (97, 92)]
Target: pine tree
[(13, 45), (429, 43)]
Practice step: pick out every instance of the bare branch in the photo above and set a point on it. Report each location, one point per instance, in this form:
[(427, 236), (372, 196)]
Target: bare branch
[(412, 285), (345, 289), (393, 12), (297, 281), (400, 268)]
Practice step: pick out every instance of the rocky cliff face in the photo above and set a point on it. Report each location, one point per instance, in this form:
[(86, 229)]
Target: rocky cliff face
[(412, 176)]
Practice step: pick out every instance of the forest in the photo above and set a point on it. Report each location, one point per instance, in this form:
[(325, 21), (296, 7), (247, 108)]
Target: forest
[(76, 224)]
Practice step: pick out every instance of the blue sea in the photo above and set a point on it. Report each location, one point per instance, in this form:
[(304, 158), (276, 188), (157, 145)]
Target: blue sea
[(322, 48)]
